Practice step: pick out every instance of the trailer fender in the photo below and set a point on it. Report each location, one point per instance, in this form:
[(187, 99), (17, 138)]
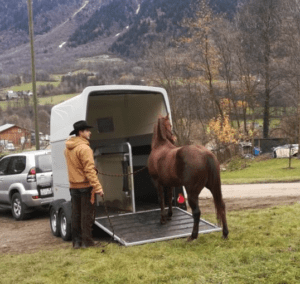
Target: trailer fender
[(56, 204)]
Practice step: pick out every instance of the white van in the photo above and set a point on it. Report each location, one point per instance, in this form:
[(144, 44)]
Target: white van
[(123, 117)]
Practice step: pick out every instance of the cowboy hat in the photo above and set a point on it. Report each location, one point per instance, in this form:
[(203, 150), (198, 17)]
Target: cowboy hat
[(80, 125)]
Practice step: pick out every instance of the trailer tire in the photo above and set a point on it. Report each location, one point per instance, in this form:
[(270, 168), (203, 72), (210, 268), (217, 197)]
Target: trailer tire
[(65, 222), (54, 208), (54, 222)]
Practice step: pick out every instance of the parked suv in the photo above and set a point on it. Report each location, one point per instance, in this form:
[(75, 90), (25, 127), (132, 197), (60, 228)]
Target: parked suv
[(26, 181)]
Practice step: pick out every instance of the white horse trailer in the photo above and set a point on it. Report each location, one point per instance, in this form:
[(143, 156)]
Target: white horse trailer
[(123, 117)]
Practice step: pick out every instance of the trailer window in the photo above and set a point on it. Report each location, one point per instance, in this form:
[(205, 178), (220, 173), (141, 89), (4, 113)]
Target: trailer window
[(105, 125)]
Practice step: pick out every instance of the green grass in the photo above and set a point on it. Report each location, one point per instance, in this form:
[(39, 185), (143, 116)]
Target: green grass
[(263, 247), (53, 100), (272, 170), (274, 122), (28, 86)]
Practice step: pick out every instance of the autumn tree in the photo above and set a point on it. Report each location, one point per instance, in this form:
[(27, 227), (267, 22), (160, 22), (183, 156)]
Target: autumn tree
[(223, 135)]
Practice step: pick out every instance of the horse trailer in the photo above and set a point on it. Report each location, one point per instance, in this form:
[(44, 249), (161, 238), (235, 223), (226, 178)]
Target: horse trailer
[(123, 117)]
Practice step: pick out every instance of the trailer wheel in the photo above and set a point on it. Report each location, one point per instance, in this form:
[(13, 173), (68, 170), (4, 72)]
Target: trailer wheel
[(54, 222), (65, 225)]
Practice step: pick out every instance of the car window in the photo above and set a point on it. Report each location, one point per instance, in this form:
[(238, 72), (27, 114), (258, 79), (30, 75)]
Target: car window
[(16, 165), (3, 166), (43, 163)]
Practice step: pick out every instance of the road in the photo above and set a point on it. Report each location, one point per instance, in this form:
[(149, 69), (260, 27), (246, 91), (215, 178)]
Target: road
[(257, 190)]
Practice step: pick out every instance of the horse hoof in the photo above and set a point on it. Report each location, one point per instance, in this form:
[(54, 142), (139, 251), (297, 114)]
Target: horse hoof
[(225, 237), (190, 239), (163, 222)]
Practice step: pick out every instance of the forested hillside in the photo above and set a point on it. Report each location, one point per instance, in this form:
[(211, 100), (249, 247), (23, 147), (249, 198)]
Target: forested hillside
[(145, 23), (47, 14), (138, 21), (112, 17)]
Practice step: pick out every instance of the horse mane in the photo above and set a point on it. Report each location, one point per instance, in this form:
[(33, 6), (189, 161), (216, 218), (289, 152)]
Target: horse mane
[(159, 132), (157, 137)]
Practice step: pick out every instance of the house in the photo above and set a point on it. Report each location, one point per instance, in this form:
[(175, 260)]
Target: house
[(15, 134)]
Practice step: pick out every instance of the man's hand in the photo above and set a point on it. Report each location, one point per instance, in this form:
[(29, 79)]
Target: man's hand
[(99, 191)]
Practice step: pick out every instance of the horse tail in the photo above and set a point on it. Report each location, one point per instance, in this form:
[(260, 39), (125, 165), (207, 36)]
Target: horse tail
[(218, 199), (214, 185)]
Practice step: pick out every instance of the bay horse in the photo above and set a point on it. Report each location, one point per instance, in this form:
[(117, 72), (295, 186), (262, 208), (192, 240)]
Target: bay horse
[(193, 167)]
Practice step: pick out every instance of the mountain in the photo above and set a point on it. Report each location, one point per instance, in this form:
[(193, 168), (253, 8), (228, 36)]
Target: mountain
[(69, 29)]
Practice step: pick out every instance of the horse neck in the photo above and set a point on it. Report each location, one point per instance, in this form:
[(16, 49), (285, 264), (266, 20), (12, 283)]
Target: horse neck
[(158, 139)]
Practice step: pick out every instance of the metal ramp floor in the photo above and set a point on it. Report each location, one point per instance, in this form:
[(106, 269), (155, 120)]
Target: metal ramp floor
[(144, 227)]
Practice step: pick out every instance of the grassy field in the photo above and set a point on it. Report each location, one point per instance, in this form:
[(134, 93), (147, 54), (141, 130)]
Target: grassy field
[(263, 247), (28, 86), (252, 171), (53, 100)]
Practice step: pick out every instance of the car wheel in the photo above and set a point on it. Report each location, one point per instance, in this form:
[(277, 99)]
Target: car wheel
[(54, 223), (17, 207), (65, 226)]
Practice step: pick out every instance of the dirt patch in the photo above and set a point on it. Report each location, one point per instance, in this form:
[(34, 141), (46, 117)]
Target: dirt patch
[(34, 234), (235, 204)]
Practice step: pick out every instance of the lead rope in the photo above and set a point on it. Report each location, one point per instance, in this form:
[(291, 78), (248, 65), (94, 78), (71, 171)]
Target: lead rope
[(110, 223)]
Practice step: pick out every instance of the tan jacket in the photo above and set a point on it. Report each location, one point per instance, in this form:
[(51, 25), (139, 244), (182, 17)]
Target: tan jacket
[(81, 165)]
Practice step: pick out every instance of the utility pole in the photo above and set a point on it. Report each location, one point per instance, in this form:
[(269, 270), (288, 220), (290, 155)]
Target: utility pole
[(30, 22)]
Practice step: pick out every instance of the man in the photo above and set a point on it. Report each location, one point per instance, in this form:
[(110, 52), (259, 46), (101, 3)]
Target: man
[(84, 184)]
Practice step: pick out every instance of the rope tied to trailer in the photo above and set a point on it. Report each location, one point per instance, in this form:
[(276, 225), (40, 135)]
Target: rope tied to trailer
[(122, 175)]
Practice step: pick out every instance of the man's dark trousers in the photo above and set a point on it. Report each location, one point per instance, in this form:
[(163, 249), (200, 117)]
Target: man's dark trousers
[(83, 216)]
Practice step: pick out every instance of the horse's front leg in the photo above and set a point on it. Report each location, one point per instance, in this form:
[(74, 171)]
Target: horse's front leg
[(170, 197), (161, 199)]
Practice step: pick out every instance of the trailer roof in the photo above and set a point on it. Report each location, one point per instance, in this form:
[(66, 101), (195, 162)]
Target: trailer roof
[(65, 114)]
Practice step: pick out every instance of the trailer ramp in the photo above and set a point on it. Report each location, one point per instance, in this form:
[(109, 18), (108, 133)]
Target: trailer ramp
[(144, 227)]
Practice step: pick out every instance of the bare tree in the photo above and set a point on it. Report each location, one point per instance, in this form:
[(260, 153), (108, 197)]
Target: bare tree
[(225, 40), (166, 71), (203, 55), (292, 64), (260, 23)]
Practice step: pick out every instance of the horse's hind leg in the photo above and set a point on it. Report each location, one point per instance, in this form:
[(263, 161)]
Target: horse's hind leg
[(170, 197), (194, 204)]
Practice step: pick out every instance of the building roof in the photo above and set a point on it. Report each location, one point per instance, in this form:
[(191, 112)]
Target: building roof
[(6, 126), (9, 125)]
